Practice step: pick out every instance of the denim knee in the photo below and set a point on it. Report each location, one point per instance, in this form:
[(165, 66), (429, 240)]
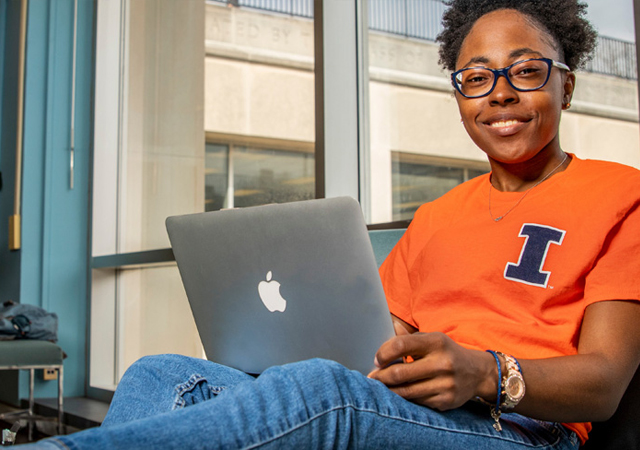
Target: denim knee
[(314, 369), (316, 375), (154, 364)]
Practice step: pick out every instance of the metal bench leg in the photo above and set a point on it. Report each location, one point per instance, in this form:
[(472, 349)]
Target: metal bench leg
[(60, 399), (31, 402)]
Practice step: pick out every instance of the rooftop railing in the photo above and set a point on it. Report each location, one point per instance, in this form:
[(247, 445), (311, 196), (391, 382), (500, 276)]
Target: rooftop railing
[(614, 57), (420, 19)]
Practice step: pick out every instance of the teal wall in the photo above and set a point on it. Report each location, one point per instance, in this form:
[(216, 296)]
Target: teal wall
[(50, 270)]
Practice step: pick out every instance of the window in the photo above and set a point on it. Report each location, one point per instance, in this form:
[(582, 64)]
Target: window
[(199, 106), (418, 179), (238, 176)]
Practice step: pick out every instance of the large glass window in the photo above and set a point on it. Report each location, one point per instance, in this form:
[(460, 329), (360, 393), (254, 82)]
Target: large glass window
[(199, 106)]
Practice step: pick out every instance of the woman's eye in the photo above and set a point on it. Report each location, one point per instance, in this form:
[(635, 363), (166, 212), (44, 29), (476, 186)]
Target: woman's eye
[(526, 72), (476, 79)]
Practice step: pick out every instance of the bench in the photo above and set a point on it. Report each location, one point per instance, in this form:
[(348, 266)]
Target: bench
[(29, 354)]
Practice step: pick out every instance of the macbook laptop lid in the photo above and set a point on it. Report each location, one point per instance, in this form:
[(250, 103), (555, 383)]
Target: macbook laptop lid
[(274, 284)]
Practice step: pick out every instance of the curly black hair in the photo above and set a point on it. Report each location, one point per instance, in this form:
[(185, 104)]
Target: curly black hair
[(564, 20)]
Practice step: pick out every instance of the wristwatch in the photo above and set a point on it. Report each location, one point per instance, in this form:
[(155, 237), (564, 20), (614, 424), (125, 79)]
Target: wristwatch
[(513, 388)]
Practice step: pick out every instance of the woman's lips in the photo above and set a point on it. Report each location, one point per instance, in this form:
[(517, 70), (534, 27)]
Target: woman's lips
[(506, 127)]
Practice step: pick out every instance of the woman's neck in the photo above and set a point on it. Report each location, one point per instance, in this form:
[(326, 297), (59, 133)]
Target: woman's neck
[(523, 176)]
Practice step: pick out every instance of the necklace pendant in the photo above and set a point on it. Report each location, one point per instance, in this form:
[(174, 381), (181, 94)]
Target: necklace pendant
[(498, 219)]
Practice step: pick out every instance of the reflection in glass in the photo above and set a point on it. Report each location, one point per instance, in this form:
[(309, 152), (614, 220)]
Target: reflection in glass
[(272, 176), (216, 177), (239, 176), (417, 180)]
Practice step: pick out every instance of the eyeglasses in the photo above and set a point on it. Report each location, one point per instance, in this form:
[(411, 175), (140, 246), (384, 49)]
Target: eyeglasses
[(527, 75)]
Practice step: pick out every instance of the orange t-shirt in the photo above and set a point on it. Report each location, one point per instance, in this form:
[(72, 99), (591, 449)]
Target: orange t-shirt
[(520, 285)]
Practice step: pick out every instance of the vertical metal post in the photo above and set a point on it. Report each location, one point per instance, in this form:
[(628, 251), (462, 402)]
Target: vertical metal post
[(231, 181), (336, 96), (636, 16), (73, 96), (14, 221), (406, 17), (60, 398), (362, 74), (31, 402)]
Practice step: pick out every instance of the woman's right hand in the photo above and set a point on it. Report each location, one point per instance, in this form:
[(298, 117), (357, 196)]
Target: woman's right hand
[(442, 375)]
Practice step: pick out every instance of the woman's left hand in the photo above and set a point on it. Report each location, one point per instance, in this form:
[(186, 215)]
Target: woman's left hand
[(443, 375)]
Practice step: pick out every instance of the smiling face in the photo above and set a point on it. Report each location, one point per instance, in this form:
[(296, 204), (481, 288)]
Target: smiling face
[(510, 126)]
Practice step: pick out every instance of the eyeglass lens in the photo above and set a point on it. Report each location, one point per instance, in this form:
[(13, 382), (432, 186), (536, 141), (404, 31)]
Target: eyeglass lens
[(525, 75)]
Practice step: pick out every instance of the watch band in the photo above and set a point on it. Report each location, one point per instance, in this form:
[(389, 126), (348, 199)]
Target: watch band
[(513, 386)]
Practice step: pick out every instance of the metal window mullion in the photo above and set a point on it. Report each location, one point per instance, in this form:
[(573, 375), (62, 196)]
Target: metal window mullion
[(231, 179), (121, 188), (337, 81), (362, 76), (636, 15)]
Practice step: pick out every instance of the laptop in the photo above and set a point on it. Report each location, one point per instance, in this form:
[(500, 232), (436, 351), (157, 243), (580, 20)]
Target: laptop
[(274, 284)]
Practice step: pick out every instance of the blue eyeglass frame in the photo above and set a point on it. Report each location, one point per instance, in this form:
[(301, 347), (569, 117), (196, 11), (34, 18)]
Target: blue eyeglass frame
[(505, 73)]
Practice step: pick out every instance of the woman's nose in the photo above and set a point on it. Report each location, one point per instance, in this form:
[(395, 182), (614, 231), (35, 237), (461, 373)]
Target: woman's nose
[(503, 93)]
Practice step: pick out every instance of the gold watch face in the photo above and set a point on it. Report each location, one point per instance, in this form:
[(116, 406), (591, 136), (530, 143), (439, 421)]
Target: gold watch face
[(514, 387)]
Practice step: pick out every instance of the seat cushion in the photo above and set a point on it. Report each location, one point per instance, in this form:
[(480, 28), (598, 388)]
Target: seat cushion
[(26, 352), (383, 242)]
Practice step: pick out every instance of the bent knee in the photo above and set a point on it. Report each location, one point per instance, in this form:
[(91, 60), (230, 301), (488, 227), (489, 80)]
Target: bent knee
[(318, 373), (319, 366), (156, 365)]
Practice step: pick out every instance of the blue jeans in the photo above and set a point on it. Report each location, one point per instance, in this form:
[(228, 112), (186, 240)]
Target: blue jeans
[(175, 402)]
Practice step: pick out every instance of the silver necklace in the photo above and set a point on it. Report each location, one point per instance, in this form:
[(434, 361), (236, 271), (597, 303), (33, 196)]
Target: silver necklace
[(498, 219)]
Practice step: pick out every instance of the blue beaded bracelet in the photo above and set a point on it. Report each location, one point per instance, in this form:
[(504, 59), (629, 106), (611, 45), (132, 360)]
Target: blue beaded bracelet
[(495, 410), (495, 355)]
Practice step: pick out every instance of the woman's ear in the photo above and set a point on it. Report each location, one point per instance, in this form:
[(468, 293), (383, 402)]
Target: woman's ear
[(568, 88)]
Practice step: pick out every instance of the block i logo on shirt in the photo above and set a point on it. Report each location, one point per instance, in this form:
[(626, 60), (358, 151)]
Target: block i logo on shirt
[(528, 269)]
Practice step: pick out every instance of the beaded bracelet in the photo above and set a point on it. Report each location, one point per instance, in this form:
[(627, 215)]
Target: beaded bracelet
[(495, 410)]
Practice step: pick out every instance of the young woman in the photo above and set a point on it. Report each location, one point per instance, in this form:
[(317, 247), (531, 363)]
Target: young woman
[(536, 262)]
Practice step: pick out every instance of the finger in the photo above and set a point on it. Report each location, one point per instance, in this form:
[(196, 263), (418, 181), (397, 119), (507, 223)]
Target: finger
[(432, 365), (416, 345), (393, 349), (422, 389), (424, 369), (437, 393)]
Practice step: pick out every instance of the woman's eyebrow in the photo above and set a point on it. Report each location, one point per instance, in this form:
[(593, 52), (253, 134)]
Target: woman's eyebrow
[(523, 51), (477, 60)]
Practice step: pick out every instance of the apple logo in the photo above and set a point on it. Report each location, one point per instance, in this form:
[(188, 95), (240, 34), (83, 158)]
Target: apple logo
[(270, 294)]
